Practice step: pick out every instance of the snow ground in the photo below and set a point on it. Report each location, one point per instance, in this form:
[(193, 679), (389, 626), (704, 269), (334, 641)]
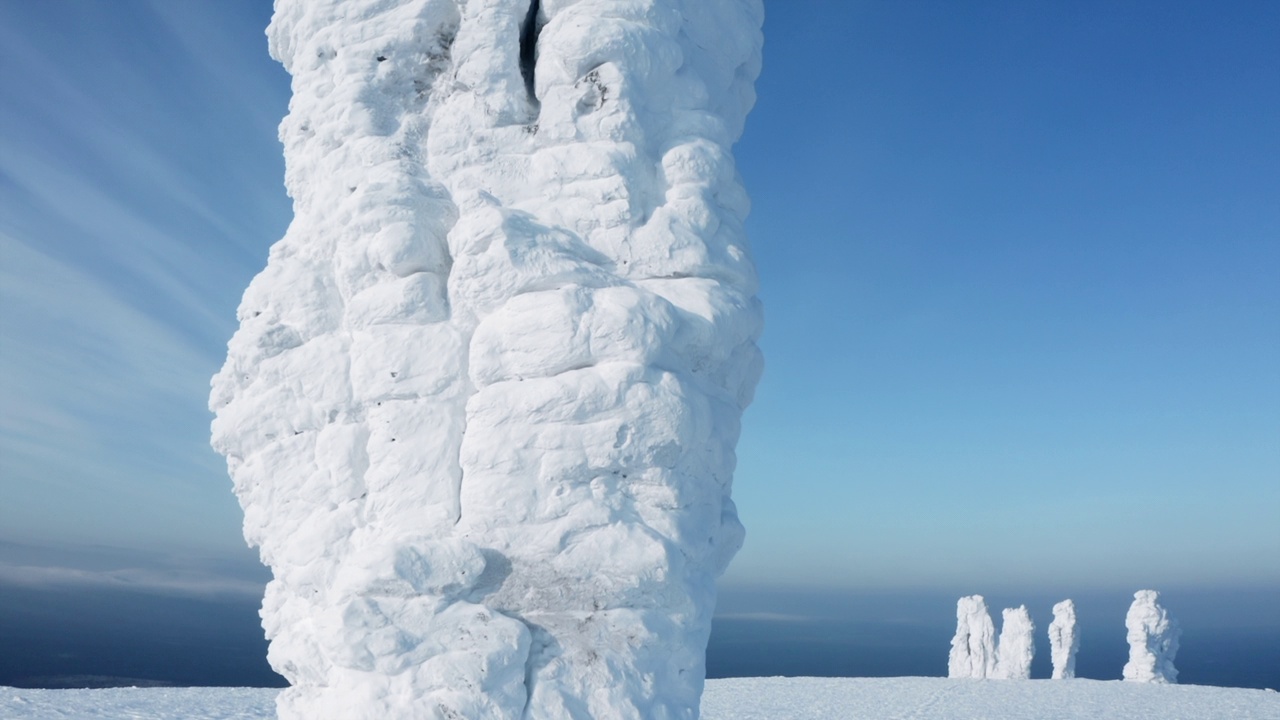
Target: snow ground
[(745, 699)]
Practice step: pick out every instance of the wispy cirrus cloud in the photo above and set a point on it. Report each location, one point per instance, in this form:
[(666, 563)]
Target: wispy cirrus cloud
[(140, 186), (101, 407), (133, 579), (71, 566)]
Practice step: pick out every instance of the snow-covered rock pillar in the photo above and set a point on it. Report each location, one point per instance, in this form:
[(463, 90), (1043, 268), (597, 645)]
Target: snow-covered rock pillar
[(1016, 648), (482, 407), (1153, 640), (973, 649), (1064, 640)]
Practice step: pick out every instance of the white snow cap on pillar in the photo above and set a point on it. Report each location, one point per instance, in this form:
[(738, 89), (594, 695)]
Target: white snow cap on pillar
[(1064, 640), (973, 649), (1153, 640), (1017, 645)]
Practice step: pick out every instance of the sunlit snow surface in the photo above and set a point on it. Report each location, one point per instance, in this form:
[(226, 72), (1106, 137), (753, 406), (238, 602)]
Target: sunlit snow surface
[(746, 699)]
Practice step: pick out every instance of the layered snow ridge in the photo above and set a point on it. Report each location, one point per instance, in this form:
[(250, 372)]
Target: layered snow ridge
[(1153, 640), (482, 406)]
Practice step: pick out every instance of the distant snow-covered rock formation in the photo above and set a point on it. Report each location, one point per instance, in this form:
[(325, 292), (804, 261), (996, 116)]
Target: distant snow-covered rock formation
[(973, 649), (1153, 640), (1016, 648), (1064, 640), (482, 406)]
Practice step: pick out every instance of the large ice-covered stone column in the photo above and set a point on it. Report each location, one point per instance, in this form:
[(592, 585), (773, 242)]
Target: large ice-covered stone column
[(973, 648), (482, 407), (1153, 640), (1016, 648), (1064, 640)]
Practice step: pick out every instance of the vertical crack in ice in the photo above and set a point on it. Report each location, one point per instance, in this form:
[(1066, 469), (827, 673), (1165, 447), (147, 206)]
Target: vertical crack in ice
[(529, 47), (457, 449), (529, 660)]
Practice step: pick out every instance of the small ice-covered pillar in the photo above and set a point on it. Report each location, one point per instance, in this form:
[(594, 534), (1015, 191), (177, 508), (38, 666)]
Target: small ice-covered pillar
[(1017, 646), (1064, 640), (973, 649), (1153, 640)]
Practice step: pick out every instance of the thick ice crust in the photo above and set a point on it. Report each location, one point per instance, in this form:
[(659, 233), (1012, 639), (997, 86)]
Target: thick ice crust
[(482, 407)]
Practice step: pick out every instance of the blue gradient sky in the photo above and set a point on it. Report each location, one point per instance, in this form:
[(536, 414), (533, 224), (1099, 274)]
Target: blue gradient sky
[(1020, 261)]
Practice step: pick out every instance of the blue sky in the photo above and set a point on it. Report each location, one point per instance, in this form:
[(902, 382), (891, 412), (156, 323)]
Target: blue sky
[(1020, 265)]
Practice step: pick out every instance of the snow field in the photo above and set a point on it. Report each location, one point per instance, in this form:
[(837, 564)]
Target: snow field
[(745, 699)]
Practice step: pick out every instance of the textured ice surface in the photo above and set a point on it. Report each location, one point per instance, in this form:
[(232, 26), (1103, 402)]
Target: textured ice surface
[(744, 699), (482, 406), (1153, 640), (973, 649), (1064, 640), (1016, 648)]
